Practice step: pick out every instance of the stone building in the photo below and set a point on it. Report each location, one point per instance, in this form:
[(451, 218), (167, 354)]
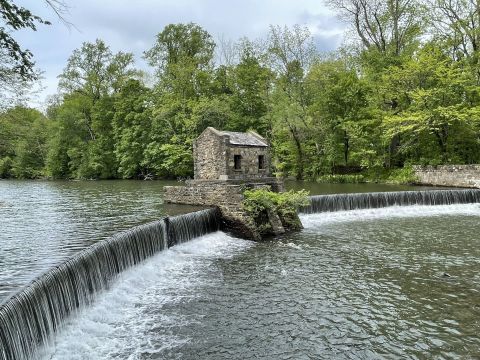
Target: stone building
[(225, 163), (227, 155)]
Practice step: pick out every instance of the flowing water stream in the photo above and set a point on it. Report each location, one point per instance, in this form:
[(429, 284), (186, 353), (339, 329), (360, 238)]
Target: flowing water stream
[(400, 282), (371, 282)]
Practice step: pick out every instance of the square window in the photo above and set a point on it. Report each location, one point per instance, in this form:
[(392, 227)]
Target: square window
[(237, 161)]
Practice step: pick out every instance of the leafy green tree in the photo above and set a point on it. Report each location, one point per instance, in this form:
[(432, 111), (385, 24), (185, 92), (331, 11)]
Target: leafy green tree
[(67, 146), (131, 129), (83, 145), (94, 71), (251, 85), (23, 133), (438, 108), (171, 135), (31, 151), (15, 17), (342, 113), (17, 66), (291, 53), (182, 57)]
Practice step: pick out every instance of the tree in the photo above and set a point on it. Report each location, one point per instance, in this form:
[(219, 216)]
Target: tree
[(94, 71), (251, 84), (83, 143), (23, 134), (182, 57), (343, 116), (291, 53), (16, 17), (438, 108), (389, 26), (131, 129), (17, 67), (70, 135), (458, 23)]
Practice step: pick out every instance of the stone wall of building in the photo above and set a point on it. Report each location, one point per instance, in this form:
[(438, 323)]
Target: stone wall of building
[(209, 156), (449, 175), (214, 157), (249, 162)]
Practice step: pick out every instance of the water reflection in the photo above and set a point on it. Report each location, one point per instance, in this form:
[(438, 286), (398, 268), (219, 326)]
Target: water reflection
[(43, 222)]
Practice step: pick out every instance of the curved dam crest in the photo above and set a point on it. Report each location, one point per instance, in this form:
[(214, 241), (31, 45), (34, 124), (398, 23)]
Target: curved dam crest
[(374, 200), (32, 315)]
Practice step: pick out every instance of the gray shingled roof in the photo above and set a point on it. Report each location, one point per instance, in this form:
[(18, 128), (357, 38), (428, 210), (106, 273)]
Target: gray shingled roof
[(245, 139)]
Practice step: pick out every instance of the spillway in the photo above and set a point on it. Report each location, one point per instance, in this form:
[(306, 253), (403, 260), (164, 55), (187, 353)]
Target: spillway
[(30, 316), (374, 200)]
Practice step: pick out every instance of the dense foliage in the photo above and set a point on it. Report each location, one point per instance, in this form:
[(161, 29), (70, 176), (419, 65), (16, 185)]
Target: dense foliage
[(260, 202), (404, 89)]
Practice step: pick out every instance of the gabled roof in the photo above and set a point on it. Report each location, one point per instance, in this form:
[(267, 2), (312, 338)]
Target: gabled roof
[(250, 138), (246, 139)]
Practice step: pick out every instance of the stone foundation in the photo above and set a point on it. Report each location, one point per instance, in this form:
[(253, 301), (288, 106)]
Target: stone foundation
[(227, 195), (467, 176)]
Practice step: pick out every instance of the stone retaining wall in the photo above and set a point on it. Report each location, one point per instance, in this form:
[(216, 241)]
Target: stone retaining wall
[(227, 196), (449, 175)]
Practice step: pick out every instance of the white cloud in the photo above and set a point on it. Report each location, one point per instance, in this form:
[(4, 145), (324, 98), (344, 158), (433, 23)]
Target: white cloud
[(131, 26)]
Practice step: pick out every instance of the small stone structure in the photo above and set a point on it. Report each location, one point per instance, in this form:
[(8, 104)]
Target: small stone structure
[(227, 155), (449, 175), (225, 164)]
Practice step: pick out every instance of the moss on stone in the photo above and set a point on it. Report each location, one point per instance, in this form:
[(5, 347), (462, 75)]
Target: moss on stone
[(266, 207)]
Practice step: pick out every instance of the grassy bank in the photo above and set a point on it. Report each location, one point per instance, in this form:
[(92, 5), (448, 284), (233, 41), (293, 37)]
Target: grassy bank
[(403, 176)]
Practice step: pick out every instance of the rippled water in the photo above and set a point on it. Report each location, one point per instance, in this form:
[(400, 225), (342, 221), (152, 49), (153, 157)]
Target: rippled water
[(384, 283), (42, 222)]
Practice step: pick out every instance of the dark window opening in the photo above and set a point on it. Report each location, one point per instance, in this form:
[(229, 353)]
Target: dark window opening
[(261, 162), (237, 160)]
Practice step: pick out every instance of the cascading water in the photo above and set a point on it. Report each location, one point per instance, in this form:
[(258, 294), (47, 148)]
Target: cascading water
[(31, 315), (341, 202)]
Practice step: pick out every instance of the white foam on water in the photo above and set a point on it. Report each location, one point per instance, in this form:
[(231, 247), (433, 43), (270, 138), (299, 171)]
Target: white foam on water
[(312, 221), (118, 325)]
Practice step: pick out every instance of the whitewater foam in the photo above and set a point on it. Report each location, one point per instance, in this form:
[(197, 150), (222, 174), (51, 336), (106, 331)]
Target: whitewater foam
[(137, 303), (312, 221)]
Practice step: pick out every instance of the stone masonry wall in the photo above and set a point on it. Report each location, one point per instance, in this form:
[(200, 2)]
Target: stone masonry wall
[(227, 196), (449, 175), (213, 156), (249, 163), (209, 156)]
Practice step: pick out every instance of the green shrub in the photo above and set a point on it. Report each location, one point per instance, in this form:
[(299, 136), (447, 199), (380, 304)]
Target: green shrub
[(404, 175), (6, 167), (259, 202), (342, 179)]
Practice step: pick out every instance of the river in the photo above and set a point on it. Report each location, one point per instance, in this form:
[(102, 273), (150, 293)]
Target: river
[(375, 283)]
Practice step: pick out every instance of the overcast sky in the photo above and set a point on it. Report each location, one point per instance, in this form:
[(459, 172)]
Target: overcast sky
[(131, 26)]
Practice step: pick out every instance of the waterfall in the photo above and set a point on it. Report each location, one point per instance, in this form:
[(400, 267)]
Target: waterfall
[(340, 202), (32, 314)]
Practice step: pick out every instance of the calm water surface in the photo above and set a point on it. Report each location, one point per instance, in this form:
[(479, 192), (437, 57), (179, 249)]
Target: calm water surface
[(43, 222)]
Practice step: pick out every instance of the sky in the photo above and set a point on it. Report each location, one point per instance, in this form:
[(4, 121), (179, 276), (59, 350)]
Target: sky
[(131, 26)]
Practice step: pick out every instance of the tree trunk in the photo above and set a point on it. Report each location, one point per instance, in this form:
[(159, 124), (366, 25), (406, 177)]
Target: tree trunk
[(298, 145), (346, 147)]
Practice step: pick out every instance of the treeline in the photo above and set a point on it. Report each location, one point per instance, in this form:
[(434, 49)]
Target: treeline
[(404, 89)]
